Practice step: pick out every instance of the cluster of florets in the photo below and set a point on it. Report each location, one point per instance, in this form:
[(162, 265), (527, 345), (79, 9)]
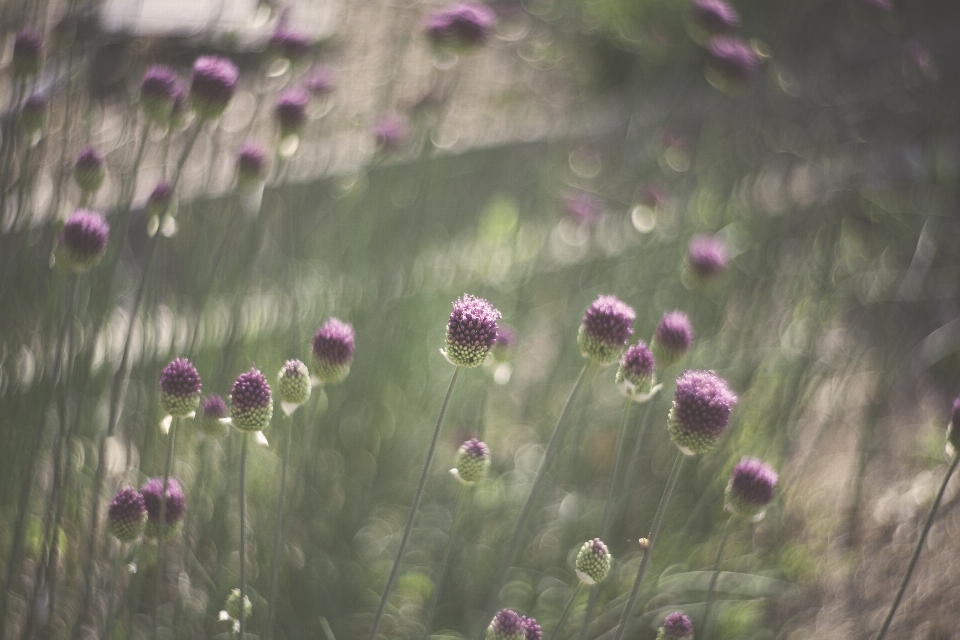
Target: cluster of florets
[(83, 240), (294, 383), (33, 113), (251, 403), (471, 331), (700, 412), (732, 63), (391, 131), (333, 346), (714, 16), (174, 506), (127, 515), (676, 626), (636, 372), (212, 85), (213, 410), (179, 388), (531, 629), (251, 165), (506, 625), (707, 256), (461, 26), (159, 91), (289, 44), (27, 53), (750, 488), (88, 170), (473, 460), (593, 562), (606, 327), (291, 111), (672, 338)]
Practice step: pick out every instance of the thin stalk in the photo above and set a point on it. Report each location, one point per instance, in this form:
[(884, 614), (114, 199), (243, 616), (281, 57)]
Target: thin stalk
[(111, 598), (278, 537), (916, 552), (444, 564), (243, 533), (651, 541), (395, 572), (566, 611), (711, 590), (162, 523), (553, 446)]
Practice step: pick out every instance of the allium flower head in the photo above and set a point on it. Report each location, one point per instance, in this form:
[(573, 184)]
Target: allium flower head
[(127, 515), (158, 202), (506, 341), (953, 429), (251, 403), (531, 629), (593, 562), (700, 412), (212, 85), (506, 625), (83, 240), (294, 383), (391, 131), (672, 338), (251, 165), (322, 80), (461, 26), (471, 331), (606, 327), (635, 375), (213, 409), (33, 113), (289, 44), (707, 256), (158, 92), (175, 509), (291, 111), (750, 488), (583, 207), (232, 605), (676, 626), (714, 16), (27, 53), (89, 170), (473, 460), (733, 63), (179, 388), (333, 345)]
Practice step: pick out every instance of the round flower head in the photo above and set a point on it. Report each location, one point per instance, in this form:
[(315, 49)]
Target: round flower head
[(700, 412), (158, 92), (89, 170), (212, 410), (583, 207), (127, 515), (158, 202), (291, 111), (606, 327), (321, 81), (212, 86), (333, 351), (750, 488), (473, 460), (506, 342), (593, 562), (33, 113), (391, 131), (289, 44), (676, 626), (635, 376), (471, 331), (83, 240), (672, 339), (232, 605), (461, 26), (506, 625), (706, 256), (732, 64), (180, 388), (714, 16), (251, 165), (251, 403), (175, 509), (953, 429), (27, 53), (531, 629), (294, 383)]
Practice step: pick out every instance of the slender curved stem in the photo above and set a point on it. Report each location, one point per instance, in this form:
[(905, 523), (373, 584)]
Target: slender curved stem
[(243, 533), (442, 573), (916, 553), (413, 509), (651, 541), (278, 537), (111, 597), (566, 611), (711, 590), (162, 524)]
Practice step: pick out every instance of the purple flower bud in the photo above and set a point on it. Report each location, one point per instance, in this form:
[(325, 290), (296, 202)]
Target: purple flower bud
[(291, 111), (179, 388), (294, 383), (593, 562), (127, 515), (531, 629), (33, 113), (289, 44), (471, 331), (89, 170), (676, 626), (606, 327), (583, 207), (322, 80), (732, 63), (251, 403), (212, 85), (700, 412), (461, 26), (333, 345), (83, 240), (634, 378), (507, 339), (176, 506), (672, 339), (27, 53), (706, 256), (473, 460), (158, 92), (251, 166), (506, 625), (158, 202), (212, 410), (714, 16), (750, 488), (391, 131)]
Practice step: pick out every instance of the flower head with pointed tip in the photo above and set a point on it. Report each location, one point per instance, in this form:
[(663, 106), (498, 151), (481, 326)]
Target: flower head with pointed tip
[(707, 256), (506, 625), (593, 562), (127, 515), (750, 488), (672, 338), (294, 382), (212, 85), (83, 240), (179, 388), (700, 412), (333, 346), (473, 460), (158, 92), (635, 375), (471, 331), (175, 509), (606, 327), (251, 402)]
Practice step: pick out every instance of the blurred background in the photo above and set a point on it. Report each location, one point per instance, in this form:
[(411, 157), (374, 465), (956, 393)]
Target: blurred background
[(575, 152)]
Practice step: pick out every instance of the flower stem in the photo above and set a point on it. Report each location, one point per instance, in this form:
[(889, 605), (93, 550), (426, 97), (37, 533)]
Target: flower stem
[(162, 522), (111, 598), (566, 611), (243, 533), (711, 590), (442, 573), (916, 553), (278, 537), (413, 509), (651, 541), (553, 447)]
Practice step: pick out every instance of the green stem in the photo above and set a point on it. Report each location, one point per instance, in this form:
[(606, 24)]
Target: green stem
[(435, 598), (111, 598), (566, 611), (916, 553), (278, 537), (711, 590), (162, 523), (395, 571), (243, 533), (651, 541)]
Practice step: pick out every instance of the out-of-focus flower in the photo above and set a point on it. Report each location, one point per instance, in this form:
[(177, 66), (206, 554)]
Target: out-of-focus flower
[(251, 166), (461, 26), (471, 331), (158, 92), (89, 170), (676, 626), (289, 44), (322, 80), (583, 207), (700, 412), (83, 240), (506, 625), (707, 256), (672, 338), (391, 131), (606, 327), (213, 409), (714, 16), (176, 506), (750, 489), (251, 403), (506, 342), (158, 202), (33, 113), (732, 64), (634, 377), (291, 111), (212, 85), (593, 562), (294, 383), (27, 53), (473, 460), (333, 346), (180, 388), (127, 515)]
